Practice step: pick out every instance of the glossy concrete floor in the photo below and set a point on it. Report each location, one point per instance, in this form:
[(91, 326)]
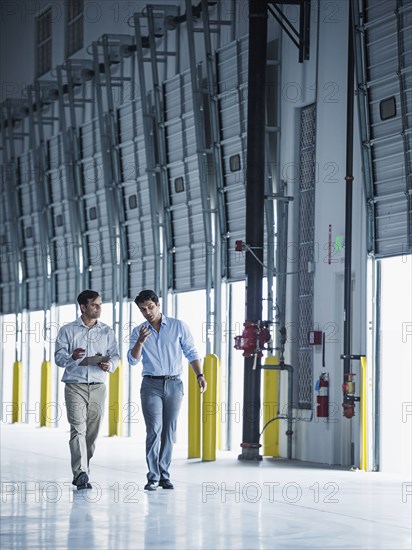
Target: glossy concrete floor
[(221, 505)]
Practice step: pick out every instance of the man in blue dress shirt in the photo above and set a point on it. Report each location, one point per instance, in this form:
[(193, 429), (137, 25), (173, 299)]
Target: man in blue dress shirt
[(85, 389), (160, 343)]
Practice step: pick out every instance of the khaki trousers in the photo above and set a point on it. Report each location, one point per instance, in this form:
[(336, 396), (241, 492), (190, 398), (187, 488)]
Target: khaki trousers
[(85, 408)]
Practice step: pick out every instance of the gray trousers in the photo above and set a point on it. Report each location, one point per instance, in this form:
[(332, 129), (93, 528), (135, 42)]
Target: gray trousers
[(161, 401), (85, 408)]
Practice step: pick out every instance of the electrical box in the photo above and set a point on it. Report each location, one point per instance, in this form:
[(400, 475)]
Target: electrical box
[(315, 337), (239, 246)]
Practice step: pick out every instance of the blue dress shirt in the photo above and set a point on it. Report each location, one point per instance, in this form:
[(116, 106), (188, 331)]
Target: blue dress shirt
[(163, 351), (99, 338)]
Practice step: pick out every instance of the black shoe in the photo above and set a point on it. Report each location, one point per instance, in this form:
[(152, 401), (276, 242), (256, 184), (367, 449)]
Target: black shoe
[(151, 486), (166, 484), (84, 486), (81, 479)]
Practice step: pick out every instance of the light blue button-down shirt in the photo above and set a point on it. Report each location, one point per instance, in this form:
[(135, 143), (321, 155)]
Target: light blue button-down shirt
[(99, 338), (163, 351)]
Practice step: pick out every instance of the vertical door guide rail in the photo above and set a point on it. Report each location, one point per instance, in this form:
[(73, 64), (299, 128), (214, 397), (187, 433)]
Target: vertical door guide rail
[(221, 229), (198, 113), (364, 122), (150, 153), (105, 146), (39, 170), (406, 130), (159, 126), (43, 202), (118, 227), (10, 182), (71, 168)]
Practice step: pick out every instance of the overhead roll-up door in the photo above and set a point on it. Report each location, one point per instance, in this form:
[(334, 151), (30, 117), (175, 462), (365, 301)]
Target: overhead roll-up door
[(189, 247), (136, 197), (232, 71), (8, 254), (34, 249), (63, 247), (385, 53)]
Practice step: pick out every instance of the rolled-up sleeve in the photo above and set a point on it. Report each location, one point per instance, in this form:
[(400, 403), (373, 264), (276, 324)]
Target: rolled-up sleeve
[(187, 344), (133, 339), (63, 354), (112, 351)]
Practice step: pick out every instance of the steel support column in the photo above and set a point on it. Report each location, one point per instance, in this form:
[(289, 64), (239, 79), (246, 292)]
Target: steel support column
[(255, 194)]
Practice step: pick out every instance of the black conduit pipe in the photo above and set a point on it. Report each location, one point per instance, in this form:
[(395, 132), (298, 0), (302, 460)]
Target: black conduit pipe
[(348, 402), (255, 196)]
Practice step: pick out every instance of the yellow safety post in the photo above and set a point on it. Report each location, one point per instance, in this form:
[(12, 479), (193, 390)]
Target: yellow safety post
[(17, 391), (363, 432), (210, 407), (219, 411), (270, 408), (115, 402), (194, 428), (45, 387)]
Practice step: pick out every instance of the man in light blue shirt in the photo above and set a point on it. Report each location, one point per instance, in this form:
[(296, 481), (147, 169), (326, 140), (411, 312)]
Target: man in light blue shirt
[(85, 390), (160, 344)]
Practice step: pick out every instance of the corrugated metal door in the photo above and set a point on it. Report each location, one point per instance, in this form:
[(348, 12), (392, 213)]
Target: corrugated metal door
[(387, 41), (8, 254), (33, 253), (232, 69), (189, 247), (63, 247), (136, 197), (98, 238)]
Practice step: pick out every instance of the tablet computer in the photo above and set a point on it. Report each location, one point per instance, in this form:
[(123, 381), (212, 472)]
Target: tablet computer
[(93, 360)]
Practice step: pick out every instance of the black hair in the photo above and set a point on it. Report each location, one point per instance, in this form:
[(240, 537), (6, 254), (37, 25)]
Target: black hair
[(145, 295), (86, 295)]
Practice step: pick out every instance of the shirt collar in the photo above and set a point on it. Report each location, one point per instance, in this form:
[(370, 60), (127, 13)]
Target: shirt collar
[(79, 321), (162, 322)]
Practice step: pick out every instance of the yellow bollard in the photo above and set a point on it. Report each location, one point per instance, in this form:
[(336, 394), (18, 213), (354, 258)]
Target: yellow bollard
[(194, 428), (219, 411), (270, 408), (210, 407), (363, 431), (17, 391), (45, 386), (115, 402)]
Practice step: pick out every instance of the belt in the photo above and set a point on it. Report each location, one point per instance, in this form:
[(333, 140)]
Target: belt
[(90, 383), (174, 377)]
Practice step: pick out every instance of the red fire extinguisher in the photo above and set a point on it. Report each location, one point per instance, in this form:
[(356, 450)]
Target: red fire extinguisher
[(322, 399), (322, 387)]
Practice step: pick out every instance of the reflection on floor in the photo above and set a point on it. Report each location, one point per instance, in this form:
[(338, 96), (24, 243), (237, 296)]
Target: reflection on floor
[(221, 505)]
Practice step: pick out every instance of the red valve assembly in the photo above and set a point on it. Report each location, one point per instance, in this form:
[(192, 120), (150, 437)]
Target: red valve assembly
[(349, 398), (253, 338)]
